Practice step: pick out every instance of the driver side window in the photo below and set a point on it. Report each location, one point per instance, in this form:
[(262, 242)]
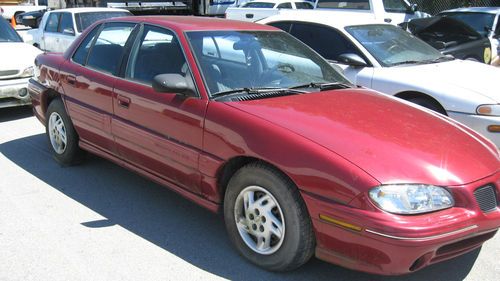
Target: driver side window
[(157, 52)]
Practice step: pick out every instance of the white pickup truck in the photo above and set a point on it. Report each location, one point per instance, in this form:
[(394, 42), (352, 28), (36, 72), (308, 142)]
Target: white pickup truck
[(260, 9), (59, 28), (390, 11)]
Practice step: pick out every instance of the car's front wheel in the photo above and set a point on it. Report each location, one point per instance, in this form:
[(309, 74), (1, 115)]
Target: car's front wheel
[(266, 218), (61, 135)]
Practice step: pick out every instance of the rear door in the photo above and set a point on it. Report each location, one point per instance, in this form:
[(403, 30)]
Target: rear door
[(88, 79), (50, 32), (160, 133)]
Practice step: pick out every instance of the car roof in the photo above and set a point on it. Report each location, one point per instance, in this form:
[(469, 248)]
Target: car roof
[(276, 1), (88, 9), (489, 10), (323, 17), (192, 23)]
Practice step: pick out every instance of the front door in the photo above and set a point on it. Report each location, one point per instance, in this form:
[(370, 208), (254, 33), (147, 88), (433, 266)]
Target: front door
[(160, 133)]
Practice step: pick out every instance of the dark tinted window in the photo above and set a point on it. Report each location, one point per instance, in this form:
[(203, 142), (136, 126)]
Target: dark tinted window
[(480, 22), (81, 53), (66, 25), (7, 33), (259, 5), (157, 52), (285, 26), (107, 52), (84, 20), (303, 5), (327, 41), (285, 6), (344, 4), (52, 22)]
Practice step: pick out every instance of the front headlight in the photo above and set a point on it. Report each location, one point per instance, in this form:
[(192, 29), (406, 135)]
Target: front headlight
[(489, 109), (410, 199), (28, 72)]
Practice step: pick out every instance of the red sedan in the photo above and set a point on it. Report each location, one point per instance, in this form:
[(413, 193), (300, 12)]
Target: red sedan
[(246, 119)]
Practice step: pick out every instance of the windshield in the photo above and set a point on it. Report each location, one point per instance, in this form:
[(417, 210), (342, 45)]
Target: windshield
[(7, 33), (480, 22), (84, 20), (232, 60), (390, 45)]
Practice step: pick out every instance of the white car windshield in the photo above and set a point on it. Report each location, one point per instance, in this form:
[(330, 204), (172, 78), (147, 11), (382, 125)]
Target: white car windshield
[(390, 45), (84, 20), (7, 33), (232, 60)]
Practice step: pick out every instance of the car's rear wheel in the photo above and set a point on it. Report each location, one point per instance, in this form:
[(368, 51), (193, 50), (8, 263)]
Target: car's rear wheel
[(266, 218), (61, 135)]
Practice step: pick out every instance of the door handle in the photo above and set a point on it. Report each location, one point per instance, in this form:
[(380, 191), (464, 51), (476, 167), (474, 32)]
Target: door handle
[(249, 16), (123, 101), (71, 79), (388, 20)]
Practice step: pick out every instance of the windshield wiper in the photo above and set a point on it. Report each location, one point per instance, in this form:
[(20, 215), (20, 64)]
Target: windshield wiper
[(254, 91), (436, 60), (324, 86)]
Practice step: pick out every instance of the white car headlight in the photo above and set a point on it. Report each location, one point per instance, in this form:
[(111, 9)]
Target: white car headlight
[(410, 199), (489, 109), (28, 72)]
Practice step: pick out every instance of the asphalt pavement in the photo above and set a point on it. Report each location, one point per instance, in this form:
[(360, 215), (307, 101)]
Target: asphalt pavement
[(98, 221)]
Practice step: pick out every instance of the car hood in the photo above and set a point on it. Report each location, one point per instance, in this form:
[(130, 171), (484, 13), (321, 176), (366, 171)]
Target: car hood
[(17, 55), (441, 24), (393, 141), (456, 76)]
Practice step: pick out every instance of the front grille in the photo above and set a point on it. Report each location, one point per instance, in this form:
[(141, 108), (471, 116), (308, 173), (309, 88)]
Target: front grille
[(486, 198), (8, 72)]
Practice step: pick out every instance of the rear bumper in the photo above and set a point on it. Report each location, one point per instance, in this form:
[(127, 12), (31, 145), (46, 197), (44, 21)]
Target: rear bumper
[(388, 244), (480, 124), (14, 92)]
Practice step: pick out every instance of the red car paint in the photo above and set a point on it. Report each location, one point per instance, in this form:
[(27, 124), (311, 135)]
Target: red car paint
[(334, 145)]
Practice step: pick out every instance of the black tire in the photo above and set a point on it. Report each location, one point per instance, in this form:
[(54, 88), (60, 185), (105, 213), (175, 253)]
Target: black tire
[(72, 154), (298, 243), (428, 103)]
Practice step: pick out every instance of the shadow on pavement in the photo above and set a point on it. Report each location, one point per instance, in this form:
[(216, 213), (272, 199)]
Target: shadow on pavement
[(14, 113), (174, 223)]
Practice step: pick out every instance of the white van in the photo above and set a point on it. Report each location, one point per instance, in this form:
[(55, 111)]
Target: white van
[(390, 11)]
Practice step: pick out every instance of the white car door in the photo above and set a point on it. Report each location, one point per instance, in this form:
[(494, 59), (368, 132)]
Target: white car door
[(66, 32), (48, 40)]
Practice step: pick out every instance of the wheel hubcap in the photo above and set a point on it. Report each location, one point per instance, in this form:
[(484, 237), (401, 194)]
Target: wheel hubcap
[(259, 220), (57, 133)]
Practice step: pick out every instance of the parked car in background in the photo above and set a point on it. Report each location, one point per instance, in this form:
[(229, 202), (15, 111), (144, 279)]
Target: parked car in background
[(31, 19), (246, 119), (12, 11), (259, 9), (59, 28), (16, 67), (390, 11), (485, 20), (453, 37), (390, 60)]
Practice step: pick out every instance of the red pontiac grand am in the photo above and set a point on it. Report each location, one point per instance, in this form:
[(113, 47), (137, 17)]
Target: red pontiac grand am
[(245, 118)]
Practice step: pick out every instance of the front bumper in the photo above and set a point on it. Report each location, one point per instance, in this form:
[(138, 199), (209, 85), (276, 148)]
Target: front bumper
[(14, 92), (381, 243), (480, 124)]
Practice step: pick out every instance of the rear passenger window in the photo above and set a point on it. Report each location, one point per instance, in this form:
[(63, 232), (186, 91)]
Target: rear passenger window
[(157, 52), (344, 4), (303, 5), (52, 22), (81, 53), (107, 52), (326, 41), (285, 6)]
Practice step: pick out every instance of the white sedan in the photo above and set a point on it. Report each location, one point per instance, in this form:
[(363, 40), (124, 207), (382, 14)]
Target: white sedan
[(386, 58), (16, 67)]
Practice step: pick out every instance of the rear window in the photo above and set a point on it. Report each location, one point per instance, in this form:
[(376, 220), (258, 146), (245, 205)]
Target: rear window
[(303, 5), (84, 20), (258, 5), (344, 4)]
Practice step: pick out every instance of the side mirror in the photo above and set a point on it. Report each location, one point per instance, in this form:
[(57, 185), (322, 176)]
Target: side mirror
[(30, 21), (413, 8), (352, 60), (173, 83), (69, 31)]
